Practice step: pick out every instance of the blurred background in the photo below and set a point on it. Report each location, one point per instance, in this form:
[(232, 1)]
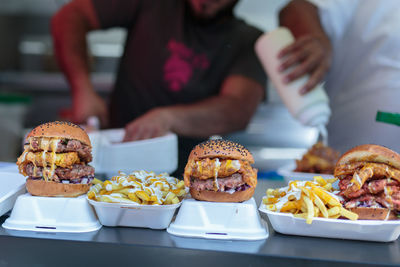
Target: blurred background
[(33, 91)]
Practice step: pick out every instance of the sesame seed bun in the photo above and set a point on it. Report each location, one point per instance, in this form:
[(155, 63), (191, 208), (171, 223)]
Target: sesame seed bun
[(369, 153), (206, 195), (53, 189), (60, 129), (223, 149)]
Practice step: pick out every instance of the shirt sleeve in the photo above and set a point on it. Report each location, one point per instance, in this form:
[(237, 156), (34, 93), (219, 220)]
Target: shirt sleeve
[(335, 15), (246, 62), (116, 13)]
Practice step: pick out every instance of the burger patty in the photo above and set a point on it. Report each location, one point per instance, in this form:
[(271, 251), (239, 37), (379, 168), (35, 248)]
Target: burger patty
[(377, 192), (372, 186), (376, 201), (82, 180), (76, 171), (224, 184), (84, 151)]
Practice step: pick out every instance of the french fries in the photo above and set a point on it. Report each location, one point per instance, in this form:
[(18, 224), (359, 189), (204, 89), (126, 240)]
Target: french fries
[(139, 187), (307, 200)]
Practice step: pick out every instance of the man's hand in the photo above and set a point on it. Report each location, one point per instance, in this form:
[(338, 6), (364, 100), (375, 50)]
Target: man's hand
[(154, 123), (87, 104), (307, 55)]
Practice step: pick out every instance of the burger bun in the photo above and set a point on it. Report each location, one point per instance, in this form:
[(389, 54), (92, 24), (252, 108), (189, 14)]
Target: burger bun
[(222, 149), (60, 129), (370, 153), (53, 189), (206, 195)]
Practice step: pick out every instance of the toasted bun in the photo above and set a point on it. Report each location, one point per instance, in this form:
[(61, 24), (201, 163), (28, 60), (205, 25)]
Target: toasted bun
[(221, 149), (61, 129), (53, 189), (370, 153), (365, 213), (206, 195)]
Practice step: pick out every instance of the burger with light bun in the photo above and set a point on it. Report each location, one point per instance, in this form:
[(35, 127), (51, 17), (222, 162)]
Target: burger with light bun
[(370, 182), (55, 160), (220, 171)]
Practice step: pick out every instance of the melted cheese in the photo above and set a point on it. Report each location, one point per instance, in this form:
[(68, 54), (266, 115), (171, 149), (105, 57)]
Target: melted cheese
[(47, 158), (49, 144), (216, 169), (357, 179), (199, 166), (34, 169)]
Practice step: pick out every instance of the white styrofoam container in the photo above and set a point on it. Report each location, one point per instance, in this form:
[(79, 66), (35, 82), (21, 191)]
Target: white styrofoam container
[(367, 230), (134, 215), (216, 220), (8, 167), (111, 155), (288, 174), (52, 214), (12, 185)]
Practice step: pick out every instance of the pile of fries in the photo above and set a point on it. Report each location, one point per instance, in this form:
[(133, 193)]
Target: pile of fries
[(308, 199), (139, 187)]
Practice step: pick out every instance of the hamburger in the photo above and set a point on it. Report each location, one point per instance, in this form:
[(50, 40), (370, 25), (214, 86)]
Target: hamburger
[(369, 182), (55, 160), (318, 159), (220, 171)]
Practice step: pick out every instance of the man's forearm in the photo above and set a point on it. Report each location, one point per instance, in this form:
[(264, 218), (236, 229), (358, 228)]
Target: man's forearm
[(69, 29), (217, 115), (301, 17)]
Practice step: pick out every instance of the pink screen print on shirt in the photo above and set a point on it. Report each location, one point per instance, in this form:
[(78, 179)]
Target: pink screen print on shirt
[(179, 67)]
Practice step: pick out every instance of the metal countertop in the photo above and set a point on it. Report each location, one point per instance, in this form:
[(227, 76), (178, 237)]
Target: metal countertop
[(110, 246)]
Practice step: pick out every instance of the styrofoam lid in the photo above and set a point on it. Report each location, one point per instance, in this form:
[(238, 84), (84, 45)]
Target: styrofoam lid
[(111, 155), (12, 185), (216, 220), (52, 214)]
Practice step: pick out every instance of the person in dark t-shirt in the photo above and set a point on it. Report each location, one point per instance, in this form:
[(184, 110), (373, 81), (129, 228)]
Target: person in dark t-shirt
[(188, 67)]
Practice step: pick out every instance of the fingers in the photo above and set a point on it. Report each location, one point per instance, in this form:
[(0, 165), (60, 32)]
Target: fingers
[(308, 55), (314, 67), (307, 66), (315, 78), (87, 105), (293, 59), (152, 124), (293, 47), (137, 131), (132, 132)]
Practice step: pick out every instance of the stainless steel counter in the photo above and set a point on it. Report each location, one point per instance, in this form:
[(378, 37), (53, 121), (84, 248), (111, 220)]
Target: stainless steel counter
[(145, 247)]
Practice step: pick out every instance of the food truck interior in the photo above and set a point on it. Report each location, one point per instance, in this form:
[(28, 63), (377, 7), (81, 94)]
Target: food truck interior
[(33, 90)]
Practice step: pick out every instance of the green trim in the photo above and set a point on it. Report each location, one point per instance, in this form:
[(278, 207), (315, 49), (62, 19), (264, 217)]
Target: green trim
[(14, 99), (386, 117)]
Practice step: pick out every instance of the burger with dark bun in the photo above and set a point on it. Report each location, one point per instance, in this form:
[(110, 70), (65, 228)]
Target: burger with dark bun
[(55, 160), (220, 171), (370, 182)]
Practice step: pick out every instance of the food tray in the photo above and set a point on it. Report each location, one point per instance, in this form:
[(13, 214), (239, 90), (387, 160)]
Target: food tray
[(52, 214), (288, 174), (12, 185), (367, 230), (111, 155), (8, 167), (215, 220), (134, 215)]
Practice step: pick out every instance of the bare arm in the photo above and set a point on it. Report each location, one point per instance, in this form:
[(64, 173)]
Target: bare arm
[(229, 111), (312, 50), (69, 27)]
